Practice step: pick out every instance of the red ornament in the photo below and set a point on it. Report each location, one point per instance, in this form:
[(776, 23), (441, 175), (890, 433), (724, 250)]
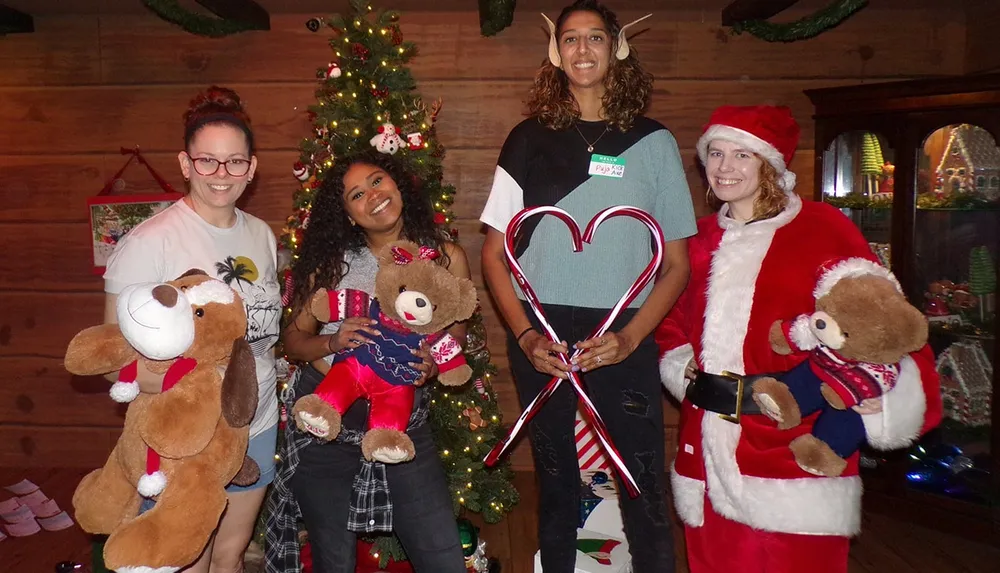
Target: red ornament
[(380, 92), (397, 35), (439, 218), (360, 52), (315, 184)]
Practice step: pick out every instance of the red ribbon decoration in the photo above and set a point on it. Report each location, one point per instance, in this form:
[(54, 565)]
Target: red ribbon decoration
[(401, 256), (644, 278)]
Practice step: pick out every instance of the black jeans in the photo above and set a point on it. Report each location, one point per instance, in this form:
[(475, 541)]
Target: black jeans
[(423, 518), (629, 398)]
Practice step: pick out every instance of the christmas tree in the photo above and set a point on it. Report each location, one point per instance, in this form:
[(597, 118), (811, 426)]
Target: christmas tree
[(367, 98)]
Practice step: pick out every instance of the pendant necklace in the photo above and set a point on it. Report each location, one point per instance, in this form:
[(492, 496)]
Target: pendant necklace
[(590, 146)]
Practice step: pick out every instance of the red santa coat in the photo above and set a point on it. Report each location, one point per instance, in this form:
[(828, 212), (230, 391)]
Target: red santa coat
[(744, 277)]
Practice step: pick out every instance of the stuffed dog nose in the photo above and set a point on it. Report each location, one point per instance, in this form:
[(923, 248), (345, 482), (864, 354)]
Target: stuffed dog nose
[(165, 295), (421, 303), (820, 324)]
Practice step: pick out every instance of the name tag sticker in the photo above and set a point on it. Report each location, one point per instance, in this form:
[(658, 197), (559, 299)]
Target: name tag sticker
[(606, 166)]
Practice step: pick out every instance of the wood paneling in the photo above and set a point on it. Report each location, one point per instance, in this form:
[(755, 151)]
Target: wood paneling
[(40, 391), (43, 323), (80, 87), (31, 446), (981, 53), (476, 114)]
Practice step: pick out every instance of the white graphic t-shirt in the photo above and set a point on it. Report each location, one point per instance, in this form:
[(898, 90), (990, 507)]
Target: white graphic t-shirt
[(244, 256)]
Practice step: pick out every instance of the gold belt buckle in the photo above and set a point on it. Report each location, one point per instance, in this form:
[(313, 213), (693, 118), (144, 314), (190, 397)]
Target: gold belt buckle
[(739, 396)]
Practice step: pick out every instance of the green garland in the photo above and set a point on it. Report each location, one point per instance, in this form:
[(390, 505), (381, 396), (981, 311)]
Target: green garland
[(495, 15), (802, 29), (963, 201), (201, 25)]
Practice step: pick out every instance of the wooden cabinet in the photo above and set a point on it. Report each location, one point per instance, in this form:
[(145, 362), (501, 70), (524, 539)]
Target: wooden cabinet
[(916, 165)]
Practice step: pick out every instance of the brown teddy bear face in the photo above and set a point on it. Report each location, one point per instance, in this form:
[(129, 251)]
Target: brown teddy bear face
[(422, 294), (218, 318), (874, 321)]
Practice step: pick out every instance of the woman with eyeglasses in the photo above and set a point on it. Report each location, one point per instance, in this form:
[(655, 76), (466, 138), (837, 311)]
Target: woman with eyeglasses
[(206, 231)]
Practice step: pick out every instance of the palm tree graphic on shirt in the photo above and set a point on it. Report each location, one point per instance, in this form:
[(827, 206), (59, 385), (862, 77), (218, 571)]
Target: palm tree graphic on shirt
[(263, 312)]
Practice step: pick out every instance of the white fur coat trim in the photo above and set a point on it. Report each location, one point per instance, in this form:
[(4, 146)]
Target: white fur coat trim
[(853, 267), (672, 366), (903, 408), (689, 498)]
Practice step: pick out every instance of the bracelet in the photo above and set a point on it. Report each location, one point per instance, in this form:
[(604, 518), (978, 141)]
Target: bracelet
[(329, 343), (523, 332)]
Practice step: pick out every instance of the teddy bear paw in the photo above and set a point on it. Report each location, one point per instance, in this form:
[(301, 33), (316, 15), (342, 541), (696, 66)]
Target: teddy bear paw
[(816, 457), (387, 446), (776, 402), (315, 425)]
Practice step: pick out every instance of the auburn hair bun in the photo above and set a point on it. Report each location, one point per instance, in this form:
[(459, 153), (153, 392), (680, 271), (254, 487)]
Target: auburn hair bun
[(213, 101)]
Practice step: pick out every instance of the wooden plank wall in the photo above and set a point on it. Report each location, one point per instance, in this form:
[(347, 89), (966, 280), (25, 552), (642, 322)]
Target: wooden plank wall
[(79, 88)]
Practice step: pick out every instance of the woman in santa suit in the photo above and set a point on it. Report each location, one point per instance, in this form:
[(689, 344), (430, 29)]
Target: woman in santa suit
[(746, 505)]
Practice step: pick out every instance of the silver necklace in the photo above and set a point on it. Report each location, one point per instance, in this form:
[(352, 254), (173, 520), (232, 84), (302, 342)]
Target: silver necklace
[(590, 146)]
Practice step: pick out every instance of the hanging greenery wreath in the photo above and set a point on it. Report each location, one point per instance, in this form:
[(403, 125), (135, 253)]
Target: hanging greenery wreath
[(195, 23), (495, 15), (804, 28)]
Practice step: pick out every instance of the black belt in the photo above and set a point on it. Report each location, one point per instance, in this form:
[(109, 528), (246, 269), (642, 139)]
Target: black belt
[(718, 393)]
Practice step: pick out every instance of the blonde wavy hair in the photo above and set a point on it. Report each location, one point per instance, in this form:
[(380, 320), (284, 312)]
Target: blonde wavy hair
[(627, 86), (771, 200)]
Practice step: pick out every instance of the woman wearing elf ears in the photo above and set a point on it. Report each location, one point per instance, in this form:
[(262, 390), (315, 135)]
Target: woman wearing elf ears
[(585, 118)]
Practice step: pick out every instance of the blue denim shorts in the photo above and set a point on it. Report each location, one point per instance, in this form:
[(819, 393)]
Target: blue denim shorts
[(261, 449)]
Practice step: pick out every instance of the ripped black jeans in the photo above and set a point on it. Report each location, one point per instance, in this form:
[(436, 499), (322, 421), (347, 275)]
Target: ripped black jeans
[(629, 398)]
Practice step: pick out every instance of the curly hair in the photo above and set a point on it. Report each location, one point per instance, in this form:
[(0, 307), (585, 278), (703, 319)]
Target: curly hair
[(771, 200), (627, 85), (330, 235), (216, 106)]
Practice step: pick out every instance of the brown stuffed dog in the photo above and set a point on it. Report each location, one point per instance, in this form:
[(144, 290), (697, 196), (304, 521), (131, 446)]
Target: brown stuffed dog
[(862, 328), (198, 425), (415, 300)]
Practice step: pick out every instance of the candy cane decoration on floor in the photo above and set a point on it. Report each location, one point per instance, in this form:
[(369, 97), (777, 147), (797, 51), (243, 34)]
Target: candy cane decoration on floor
[(648, 274)]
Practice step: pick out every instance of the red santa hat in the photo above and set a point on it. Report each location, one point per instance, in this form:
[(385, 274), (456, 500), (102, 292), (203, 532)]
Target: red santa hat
[(769, 131), (834, 271)]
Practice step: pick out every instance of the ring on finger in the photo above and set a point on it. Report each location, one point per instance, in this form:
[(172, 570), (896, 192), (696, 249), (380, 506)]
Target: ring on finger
[(599, 359)]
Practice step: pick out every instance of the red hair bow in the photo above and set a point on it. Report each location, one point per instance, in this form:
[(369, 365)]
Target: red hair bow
[(402, 257)]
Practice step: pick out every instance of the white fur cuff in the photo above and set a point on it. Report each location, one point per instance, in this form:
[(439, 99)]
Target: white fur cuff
[(672, 366), (689, 499), (124, 392), (903, 408)]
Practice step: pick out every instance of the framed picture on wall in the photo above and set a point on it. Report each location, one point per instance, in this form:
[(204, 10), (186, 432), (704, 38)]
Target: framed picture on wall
[(113, 216)]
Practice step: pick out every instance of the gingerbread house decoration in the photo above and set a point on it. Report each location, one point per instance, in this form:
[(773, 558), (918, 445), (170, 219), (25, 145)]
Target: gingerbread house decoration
[(966, 383), (970, 163)]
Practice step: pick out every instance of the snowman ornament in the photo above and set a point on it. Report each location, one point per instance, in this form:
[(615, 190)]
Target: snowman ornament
[(387, 140)]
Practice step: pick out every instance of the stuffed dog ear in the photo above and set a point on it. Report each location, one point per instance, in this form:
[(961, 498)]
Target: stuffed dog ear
[(99, 350), (239, 387)]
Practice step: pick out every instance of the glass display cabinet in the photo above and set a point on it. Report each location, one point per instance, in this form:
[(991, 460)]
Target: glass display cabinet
[(916, 166)]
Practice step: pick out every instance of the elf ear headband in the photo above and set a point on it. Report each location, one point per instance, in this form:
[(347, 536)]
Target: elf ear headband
[(621, 51)]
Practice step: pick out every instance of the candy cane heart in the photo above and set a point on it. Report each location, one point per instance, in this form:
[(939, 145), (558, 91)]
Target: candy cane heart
[(647, 275)]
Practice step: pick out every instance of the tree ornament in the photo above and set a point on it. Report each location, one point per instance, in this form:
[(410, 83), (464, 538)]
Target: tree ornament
[(416, 141), (300, 171), (360, 52), (333, 70), (480, 385), (387, 139), (381, 92), (469, 536), (396, 34), (475, 416), (313, 24), (440, 219)]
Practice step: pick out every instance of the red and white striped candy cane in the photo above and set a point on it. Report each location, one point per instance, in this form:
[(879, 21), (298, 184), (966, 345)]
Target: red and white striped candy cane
[(647, 275)]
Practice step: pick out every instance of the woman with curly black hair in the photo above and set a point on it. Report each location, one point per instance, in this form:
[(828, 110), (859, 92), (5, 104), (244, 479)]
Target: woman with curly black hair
[(586, 147), (364, 203)]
